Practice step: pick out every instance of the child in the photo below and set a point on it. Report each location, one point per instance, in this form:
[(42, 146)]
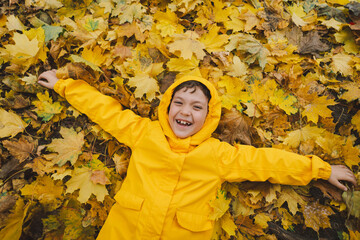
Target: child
[(176, 166)]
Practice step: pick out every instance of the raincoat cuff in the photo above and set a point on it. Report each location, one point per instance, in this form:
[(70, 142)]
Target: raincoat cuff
[(324, 168), (60, 86)]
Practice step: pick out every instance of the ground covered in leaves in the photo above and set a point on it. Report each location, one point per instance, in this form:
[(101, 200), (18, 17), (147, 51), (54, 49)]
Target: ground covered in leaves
[(287, 73)]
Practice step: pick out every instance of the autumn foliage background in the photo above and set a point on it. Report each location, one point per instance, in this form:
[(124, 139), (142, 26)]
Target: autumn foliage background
[(287, 72)]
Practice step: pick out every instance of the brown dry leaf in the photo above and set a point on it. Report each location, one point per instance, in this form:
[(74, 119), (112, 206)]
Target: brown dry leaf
[(317, 216), (235, 127), (246, 225), (41, 166), (99, 176), (328, 190), (20, 149)]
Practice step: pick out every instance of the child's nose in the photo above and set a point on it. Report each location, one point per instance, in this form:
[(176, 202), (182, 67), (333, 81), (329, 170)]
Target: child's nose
[(185, 110)]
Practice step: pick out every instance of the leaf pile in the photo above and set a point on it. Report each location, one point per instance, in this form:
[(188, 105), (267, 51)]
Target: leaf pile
[(287, 73)]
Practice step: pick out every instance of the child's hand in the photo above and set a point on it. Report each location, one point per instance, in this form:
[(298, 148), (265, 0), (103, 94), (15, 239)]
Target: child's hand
[(341, 172), (48, 79)]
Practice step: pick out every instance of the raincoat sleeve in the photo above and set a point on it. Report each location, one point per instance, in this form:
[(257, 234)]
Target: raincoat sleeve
[(241, 163), (124, 125)]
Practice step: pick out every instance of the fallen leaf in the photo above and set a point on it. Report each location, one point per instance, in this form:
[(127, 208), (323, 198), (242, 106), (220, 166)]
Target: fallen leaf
[(10, 124), (317, 216), (20, 149), (68, 148), (81, 179)]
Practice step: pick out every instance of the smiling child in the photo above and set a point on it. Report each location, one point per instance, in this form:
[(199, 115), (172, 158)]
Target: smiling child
[(176, 167)]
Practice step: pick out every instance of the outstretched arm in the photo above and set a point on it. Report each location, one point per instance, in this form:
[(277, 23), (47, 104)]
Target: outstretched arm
[(48, 79), (341, 173)]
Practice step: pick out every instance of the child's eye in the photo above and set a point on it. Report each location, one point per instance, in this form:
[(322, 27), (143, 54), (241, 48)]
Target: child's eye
[(197, 107), (177, 102)]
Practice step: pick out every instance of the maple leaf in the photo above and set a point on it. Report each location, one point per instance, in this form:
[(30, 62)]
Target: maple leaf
[(188, 45), (262, 219), (351, 154), (144, 85), (298, 14), (247, 43), (95, 56), (317, 215), (227, 223), (319, 107), (23, 49), (352, 93), (20, 149), (302, 135), (45, 108), (13, 23), (238, 68), (14, 222), (214, 41), (132, 12), (81, 179), (52, 32), (167, 23), (291, 197), (284, 101), (356, 120), (219, 205), (10, 124), (346, 37), (121, 163), (68, 148), (234, 127), (78, 59), (341, 63), (182, 65), (46, 191)]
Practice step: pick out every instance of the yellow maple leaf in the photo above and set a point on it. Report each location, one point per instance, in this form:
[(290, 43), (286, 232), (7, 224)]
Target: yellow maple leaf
[(284, 101), (352, 93), (346, 37), (356, 120), (13, 23), (317, 216), (144, 85), (232, 96), (228, 225), (319, 107), (306, 133), (182, 65), (14, 222), (214, 41), (167, 23), (187, 44), (341, 63), (45, 108), (81, 179), (354, 235), (46, 191), (219, 205), (262, 219), (94, 56), (23, 49), (68, 147), (297, 14), (332, 23), (287, 220), (289, 195), (238, 68), (10, 124), (221, 11), (351, 153)]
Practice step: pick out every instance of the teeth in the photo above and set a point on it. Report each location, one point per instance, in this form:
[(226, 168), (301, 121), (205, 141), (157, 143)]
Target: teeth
[(183, 122)]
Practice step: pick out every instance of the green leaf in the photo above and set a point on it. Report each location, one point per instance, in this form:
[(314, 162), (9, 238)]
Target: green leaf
[(52, 32)]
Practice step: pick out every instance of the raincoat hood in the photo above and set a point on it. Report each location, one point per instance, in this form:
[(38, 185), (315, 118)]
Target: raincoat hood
[(211, 122)]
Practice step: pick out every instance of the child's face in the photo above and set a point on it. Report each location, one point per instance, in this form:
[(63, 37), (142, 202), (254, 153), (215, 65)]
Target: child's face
[(188, 111)]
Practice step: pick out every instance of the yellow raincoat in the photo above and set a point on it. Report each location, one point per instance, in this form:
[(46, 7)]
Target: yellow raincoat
[(170, 181)]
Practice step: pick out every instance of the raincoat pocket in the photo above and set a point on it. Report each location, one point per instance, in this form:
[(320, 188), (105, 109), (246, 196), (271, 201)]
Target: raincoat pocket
[(193, 221), (129, 200)]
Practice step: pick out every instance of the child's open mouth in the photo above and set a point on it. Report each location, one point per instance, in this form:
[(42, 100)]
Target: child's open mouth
[(183, 123)]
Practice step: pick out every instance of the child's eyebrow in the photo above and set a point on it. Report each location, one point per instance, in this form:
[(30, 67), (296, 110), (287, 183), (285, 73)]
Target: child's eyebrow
[(193, 102)]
